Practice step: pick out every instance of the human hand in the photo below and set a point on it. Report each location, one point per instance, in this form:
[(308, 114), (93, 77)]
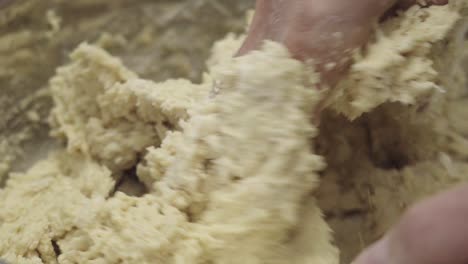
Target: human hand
[(432, 232), (326, 31)]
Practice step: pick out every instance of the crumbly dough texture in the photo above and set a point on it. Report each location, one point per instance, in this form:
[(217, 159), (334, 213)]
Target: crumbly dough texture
[(211, 193), (405, 72), (104, 111), (229, 164)]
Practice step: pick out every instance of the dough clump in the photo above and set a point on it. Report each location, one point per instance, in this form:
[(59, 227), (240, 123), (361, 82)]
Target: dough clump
[(230, 167)]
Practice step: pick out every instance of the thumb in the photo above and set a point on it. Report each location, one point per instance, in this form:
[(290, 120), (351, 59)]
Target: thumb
[(433, 232)]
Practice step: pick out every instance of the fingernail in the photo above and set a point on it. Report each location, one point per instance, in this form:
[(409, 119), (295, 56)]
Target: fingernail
[(375, 254)]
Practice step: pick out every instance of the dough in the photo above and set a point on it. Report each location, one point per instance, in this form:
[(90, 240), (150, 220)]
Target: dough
[(392, 155), (213, 199), (229, 164), (405, 72), (41, 206), (106, 112)]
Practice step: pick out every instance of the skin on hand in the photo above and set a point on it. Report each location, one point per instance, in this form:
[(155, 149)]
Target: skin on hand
[(327, 31), (434, 231)]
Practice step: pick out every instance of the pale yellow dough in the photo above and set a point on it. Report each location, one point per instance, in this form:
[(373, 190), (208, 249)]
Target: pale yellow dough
[(229, 164), (211, 193)]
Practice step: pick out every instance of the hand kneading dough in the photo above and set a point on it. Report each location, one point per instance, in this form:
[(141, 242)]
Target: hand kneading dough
[(228, 163)]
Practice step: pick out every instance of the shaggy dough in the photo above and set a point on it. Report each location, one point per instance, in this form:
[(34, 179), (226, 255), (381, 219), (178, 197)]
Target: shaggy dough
[(40, 206), (210, 201), (228, 163), (405, 72), (106, 112), (392, 155)]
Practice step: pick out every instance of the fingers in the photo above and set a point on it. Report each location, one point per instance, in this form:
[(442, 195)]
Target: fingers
[(325, 31), (259, 28), (433, 232), (408, 3), (272, 17)]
